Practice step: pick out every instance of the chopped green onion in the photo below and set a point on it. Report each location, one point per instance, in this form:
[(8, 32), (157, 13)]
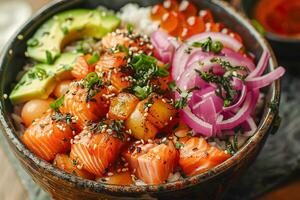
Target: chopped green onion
[(95, 57), (57, 103), (33, 42), (130, 28), (49, 57)]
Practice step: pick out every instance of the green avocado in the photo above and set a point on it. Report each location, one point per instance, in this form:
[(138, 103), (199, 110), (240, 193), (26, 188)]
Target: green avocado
[(46, 44), (40, 81)]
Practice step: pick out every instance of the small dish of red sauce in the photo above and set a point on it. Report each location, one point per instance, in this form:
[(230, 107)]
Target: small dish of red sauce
[(279, 16)]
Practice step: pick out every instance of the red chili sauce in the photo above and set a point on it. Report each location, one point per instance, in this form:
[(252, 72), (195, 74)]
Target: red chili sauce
[(279, 16)]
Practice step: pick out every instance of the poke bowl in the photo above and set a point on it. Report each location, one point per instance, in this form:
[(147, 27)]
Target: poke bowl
[(151, 100)]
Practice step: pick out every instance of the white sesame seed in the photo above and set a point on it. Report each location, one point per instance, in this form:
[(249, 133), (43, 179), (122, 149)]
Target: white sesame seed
[(224, 30), (20, 37), (202, 13), (167, 4), (110, 174), (165, 16), (191, 20), (183, 5), (184, 32), (5, 96)]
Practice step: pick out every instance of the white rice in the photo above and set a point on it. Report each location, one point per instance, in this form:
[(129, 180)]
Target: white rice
[(139, 17)]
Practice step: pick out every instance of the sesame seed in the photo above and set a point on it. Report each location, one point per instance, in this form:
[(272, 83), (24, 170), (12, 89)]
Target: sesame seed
[(126, 164), (5, 96), (110, 174), (207, 26), (191, 21), (20, 37), (184, 32), (183, 6), (224, 30), (138, 142), (118, 170), (143, 142), (10, 52), (155, 9), (167, 4), (95, 146), (77, 137), (165, 16), (202, 13)]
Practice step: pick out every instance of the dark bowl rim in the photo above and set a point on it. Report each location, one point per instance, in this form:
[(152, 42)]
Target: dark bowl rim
[(264, 127)]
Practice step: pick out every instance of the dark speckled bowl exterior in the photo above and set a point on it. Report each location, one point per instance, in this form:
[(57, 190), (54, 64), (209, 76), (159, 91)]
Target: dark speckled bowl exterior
[(209, 185)]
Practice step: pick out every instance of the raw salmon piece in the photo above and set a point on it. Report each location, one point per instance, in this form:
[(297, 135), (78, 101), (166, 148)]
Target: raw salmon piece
[(153, 163), (96, 151), (81, 68), (197, 156), (112, 40), (109, 67), (78, 105), (72, 166), (47, 137), (122, 106)]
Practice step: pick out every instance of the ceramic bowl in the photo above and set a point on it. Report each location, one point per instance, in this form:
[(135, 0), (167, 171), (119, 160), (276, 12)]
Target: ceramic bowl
[(61, 185), (287, 49)]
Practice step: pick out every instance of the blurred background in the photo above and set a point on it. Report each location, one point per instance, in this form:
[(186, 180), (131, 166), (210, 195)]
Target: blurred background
[(274, 175)]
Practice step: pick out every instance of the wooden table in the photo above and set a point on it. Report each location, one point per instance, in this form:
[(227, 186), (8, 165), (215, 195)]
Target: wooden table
[(12, 189)]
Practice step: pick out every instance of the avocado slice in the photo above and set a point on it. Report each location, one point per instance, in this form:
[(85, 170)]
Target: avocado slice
[(46, 44), (40, 81)]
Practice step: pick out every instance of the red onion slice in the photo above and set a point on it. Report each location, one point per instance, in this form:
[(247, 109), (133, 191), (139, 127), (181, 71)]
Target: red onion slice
[(261, 66), (164, 48), (239, 102), (243, 113), (243, 60), (263, 81), (197, 124), (181, 58)]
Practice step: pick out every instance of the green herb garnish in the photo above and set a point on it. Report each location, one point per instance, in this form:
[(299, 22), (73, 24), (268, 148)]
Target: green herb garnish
[(123, 48), (33, 42), (209, 45), (65, 30), (57, 103), (223, 84), (227, 65), (184, 97), (95, 57), (146, 69), (178, 145), (49, 57), (142, 92), (130, 28)]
